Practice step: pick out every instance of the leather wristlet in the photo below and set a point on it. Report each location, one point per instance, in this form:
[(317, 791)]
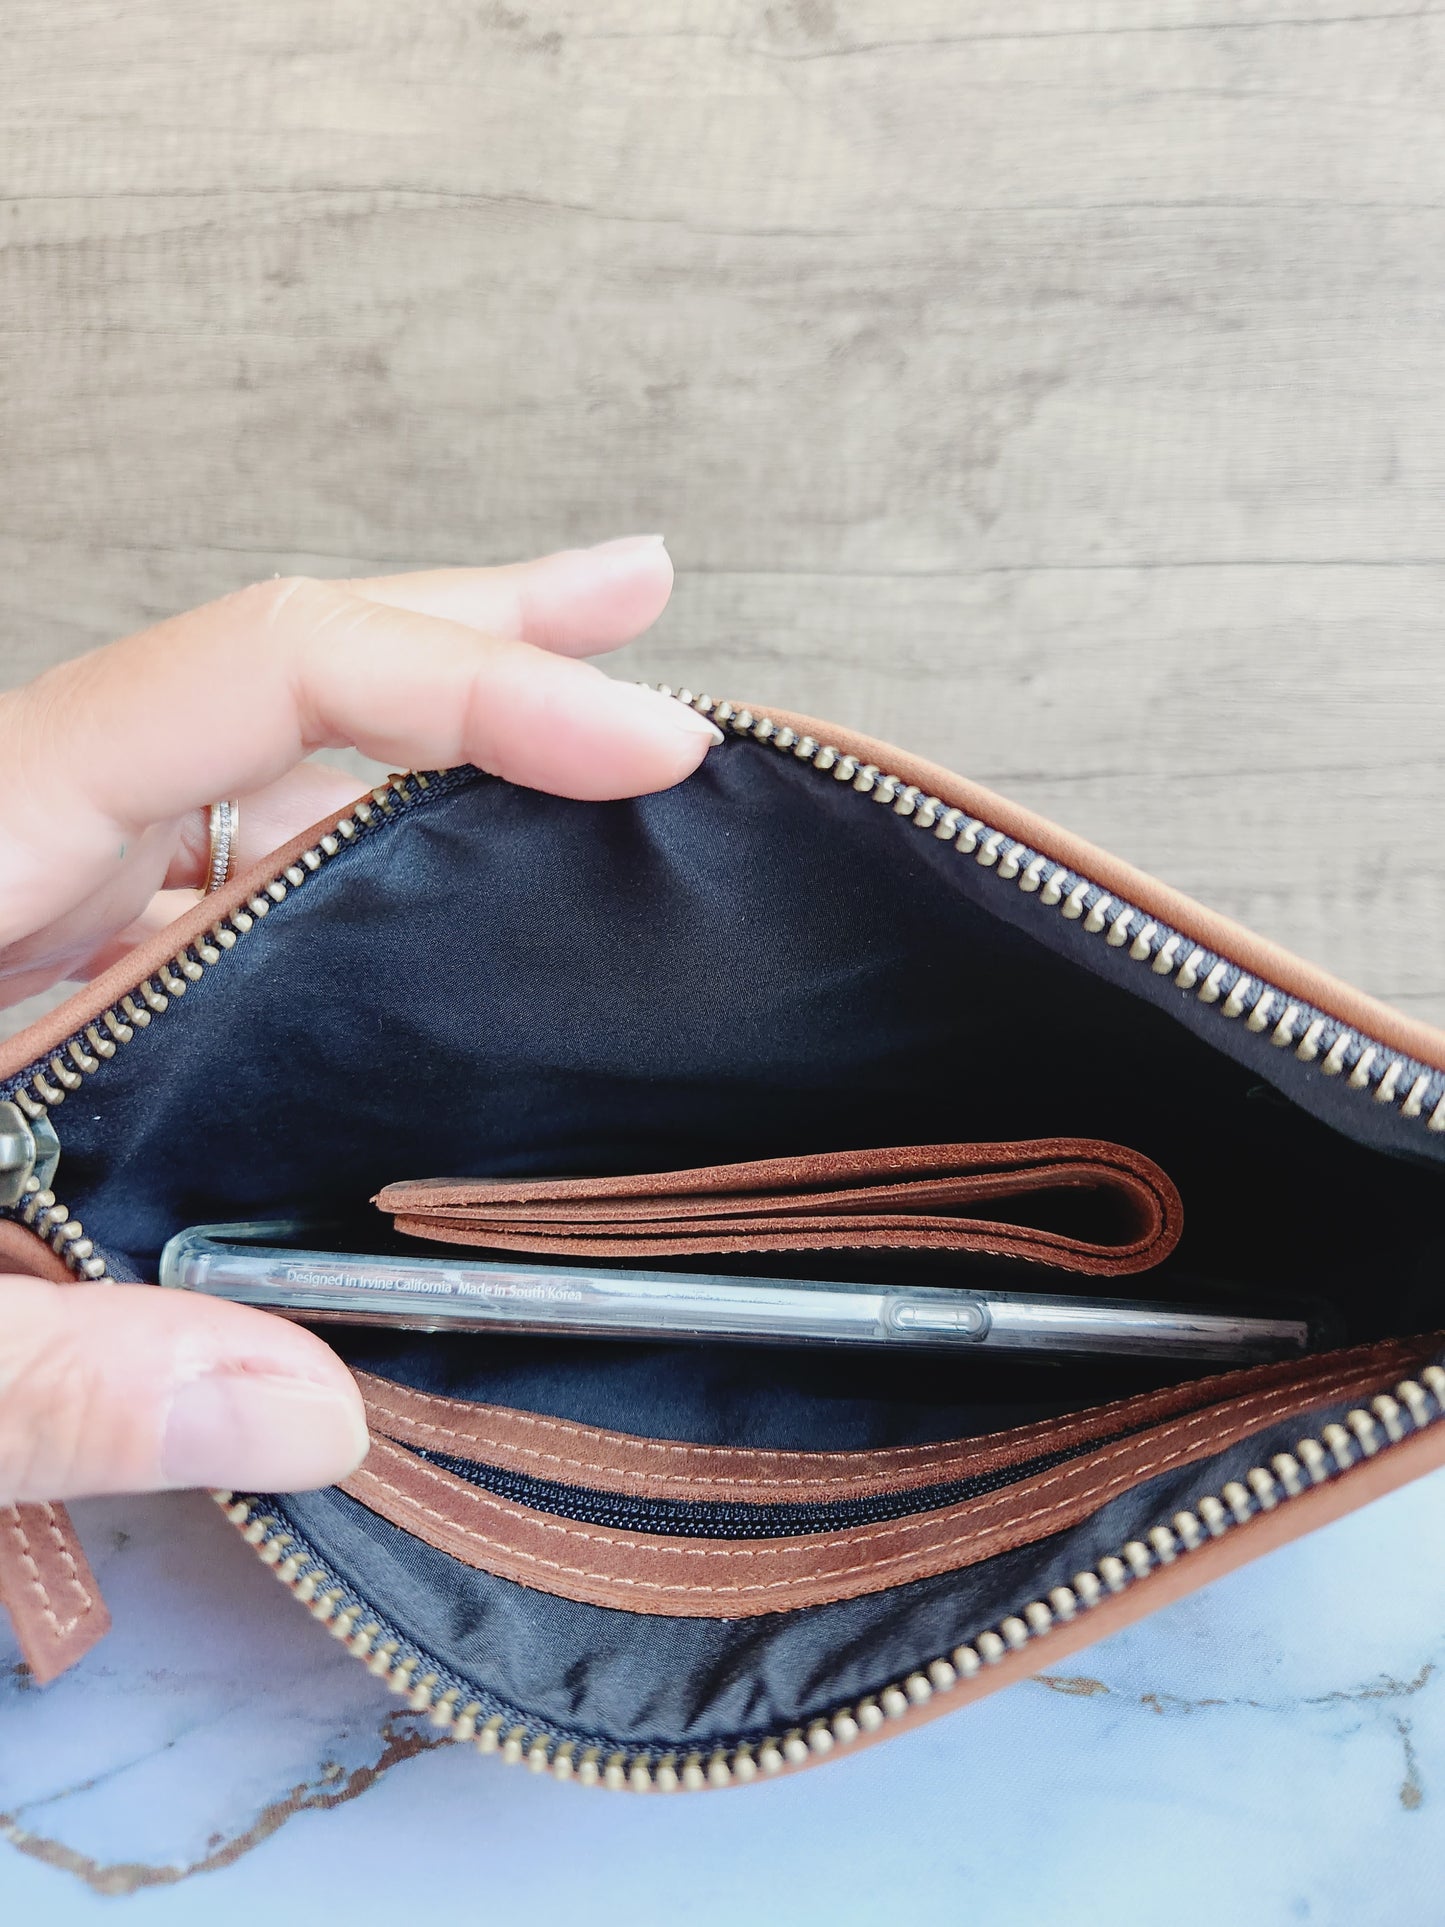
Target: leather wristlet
[(930, 1198), (663, 1566)]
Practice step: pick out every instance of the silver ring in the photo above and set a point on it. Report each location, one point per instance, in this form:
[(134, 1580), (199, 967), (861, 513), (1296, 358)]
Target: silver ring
[(225, 828)]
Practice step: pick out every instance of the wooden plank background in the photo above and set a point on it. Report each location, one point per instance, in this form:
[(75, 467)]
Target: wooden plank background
[(1053, 386)]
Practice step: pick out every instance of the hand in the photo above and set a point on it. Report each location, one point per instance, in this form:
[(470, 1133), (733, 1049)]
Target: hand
[(110, 763)]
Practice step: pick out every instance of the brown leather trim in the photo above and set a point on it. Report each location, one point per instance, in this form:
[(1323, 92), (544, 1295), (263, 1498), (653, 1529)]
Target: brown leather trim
[(25, 1251), (48, 1588), (1164, 1586), (1207, 927), (600, 1460), (734, 1579), (897, 1199)]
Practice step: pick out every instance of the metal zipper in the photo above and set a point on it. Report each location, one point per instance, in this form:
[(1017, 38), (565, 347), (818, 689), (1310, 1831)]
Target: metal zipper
[(1417, 1090), (29, 1149), (1370, 1068), (35, 1202), (730, 1519)]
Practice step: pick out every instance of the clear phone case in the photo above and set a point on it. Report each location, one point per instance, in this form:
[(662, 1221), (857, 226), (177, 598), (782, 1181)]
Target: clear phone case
[(249, 1263)]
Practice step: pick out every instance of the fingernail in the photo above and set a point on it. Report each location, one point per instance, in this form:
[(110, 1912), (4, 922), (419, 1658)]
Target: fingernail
[(252, 1432), (628, 545), (682, 718)]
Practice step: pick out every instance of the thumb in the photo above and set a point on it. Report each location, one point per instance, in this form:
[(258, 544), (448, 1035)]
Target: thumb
[(125, 1388)]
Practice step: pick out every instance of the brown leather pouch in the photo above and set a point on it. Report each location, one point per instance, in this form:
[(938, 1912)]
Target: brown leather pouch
[(702, 1023)]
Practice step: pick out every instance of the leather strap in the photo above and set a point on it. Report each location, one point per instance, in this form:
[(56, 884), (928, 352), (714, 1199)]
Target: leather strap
[(46, 1583), (945, 1198), (48, 1588)]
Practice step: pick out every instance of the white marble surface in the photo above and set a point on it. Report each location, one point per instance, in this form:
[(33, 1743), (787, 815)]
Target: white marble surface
[(1271, 1750)]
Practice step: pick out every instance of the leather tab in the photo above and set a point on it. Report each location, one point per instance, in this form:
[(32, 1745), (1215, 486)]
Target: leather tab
[(49, 1589), (952, 1199)]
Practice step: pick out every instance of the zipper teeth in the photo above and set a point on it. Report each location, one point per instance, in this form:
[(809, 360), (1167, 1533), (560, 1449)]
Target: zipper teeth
[(82, 1055), (1415, 1089), (1390, 1417), (714, 1519), (1312, 1034)]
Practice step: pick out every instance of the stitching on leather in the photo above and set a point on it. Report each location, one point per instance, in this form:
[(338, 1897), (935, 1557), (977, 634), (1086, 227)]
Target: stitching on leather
[(35, 1579), (822, 1481), (723, 1214), (796, 1549), (889, 1458), (819, 1482), (15, 1525), (759, 1225), (67, 1559), (1032, 1247), (674, 1446), (1090, 1494)]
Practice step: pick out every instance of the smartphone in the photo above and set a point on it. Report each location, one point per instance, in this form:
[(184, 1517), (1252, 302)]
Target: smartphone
[(252, 1265)]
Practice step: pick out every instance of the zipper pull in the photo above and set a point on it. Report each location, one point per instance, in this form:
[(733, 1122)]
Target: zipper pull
[(29, 1149)]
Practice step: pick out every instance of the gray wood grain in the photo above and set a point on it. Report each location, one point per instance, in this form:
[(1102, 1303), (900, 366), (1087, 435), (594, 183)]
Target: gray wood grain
[(1053, 386)]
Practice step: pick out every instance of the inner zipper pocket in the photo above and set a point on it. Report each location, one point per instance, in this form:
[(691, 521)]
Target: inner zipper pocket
[(645, 1566), (1057, 1612), (719, 1520)]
